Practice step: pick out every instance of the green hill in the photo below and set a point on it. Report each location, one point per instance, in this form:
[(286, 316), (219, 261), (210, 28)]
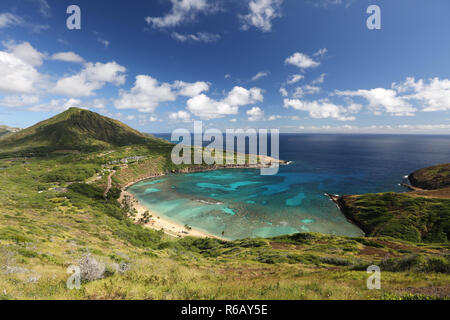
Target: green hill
[(431, 178), (74, 129)]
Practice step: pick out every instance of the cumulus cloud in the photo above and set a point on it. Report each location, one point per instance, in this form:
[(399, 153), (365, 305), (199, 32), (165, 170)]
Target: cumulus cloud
[(255, 114), (207, 108), (14, 101), (67, 57), (284, 92), (381, 99), (301, 60), (434, 95), (17, 76), (196, 37), (305, 90), (261, 14), (57, 105), (320, 109), (25, 52), (93, 77), (404, 99), (182, 11), (190, 89), (146, 95), (180, 115)]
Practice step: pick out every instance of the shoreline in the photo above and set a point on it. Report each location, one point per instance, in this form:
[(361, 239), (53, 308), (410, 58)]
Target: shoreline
[(159, 222), (170, 227)]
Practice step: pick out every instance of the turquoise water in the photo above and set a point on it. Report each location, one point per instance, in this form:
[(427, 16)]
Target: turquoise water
[(242, 203)]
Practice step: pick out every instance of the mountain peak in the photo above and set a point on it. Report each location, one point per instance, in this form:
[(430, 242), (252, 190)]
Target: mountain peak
[(77, 129)]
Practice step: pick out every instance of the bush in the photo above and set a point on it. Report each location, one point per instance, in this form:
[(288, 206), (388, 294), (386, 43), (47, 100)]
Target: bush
[(91, 269), (335, 261), (87, 190), (438, 264)]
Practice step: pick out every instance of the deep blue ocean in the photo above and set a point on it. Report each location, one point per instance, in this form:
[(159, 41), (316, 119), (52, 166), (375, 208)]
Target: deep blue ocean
[(242, 203)]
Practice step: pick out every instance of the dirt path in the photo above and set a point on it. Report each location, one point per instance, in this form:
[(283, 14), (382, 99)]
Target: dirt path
[(108, 187)]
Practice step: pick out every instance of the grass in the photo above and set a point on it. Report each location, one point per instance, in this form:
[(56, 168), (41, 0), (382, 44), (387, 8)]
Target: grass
[(401, 216), (50, 217)]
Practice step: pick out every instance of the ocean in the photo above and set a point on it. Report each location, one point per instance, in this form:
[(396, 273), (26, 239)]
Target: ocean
[(241, 203)]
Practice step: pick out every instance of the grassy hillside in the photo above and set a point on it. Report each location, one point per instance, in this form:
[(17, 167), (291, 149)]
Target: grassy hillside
[(50, 219), (401, 216), (74, 129), (432, 178), (53, 214)]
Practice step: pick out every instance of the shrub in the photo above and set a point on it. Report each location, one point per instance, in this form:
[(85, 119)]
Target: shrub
[(335, 261), (438, 264), (91, 269)]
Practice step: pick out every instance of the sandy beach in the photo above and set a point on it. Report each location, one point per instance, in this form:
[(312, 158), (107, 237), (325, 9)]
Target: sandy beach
[(158, 222)]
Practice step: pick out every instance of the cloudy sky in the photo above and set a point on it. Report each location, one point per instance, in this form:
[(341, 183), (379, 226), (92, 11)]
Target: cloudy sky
[(296, 65)]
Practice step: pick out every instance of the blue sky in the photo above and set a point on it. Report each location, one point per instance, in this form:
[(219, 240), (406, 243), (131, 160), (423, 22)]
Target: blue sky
[(295, 65)]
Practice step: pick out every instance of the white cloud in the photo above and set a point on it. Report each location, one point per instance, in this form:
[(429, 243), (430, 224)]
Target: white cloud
[(227, 76), (93, 77), (273, 117), (284, 92), (182, 11), (260, 75), (25, 52), (305, 90), (146, 95), (8, 20), (382, 100), (17, 76), (301, 60), (295, 78), (207, 108), (180, 115), (255, 114), (321, 52), (67, 57), (261, 14), (57, 105), (191, 89), (320, 79), (434, 95), (96, 104), (14, 101), (11, 20), (319, 109), (196, 37)]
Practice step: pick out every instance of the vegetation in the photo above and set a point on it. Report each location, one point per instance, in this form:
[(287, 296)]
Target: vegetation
[(54, 214), (400, 216), (74, 129), (432, 178)]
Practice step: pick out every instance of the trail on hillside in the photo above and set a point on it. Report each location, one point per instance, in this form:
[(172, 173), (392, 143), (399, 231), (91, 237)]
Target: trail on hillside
[(108, 187)]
